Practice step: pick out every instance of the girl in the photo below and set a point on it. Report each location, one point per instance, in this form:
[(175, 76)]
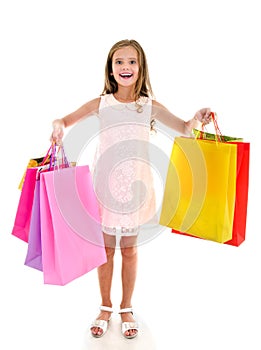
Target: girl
[(127, 112)]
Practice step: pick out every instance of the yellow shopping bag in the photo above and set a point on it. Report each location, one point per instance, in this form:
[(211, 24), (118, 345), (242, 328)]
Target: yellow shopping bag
[(199, 195), (33, 163)]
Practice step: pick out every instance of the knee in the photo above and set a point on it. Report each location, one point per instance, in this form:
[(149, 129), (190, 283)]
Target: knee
[(110, 251), (110, 244), (128, 252)]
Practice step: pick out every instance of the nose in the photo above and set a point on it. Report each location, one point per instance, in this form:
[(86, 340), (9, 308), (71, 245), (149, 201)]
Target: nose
[(125, 66)]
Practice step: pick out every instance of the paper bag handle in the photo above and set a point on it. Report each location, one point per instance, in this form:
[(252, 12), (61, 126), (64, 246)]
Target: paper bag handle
[(219, 136)]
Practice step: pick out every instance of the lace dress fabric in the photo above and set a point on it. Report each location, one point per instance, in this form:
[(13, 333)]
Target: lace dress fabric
[(123, 178)]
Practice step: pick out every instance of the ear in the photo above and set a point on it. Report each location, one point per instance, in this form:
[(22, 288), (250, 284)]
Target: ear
[(111, 73)]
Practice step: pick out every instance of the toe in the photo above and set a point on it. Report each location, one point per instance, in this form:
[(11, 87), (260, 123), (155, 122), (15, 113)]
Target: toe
[(131, 332), (93, 330), (99, 331), (96, 331)]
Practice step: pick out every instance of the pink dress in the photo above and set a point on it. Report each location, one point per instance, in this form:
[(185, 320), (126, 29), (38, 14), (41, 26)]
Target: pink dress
[(122, 174)]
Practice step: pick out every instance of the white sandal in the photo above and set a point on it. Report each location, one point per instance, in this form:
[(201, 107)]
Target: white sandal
[(127, 326), (101, 323)]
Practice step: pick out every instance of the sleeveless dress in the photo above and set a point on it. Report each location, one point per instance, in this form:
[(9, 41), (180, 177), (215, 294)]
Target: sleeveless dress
[(122, 174)]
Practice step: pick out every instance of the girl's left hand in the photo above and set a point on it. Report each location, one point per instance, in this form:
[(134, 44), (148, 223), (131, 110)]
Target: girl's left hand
[(203, 116)]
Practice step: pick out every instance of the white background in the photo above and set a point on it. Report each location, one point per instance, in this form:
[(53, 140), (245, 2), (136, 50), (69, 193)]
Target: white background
[(190, 294)]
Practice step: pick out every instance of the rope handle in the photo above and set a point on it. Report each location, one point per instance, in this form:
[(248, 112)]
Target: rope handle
[(218, 134), (57, 162), (64, 163), (52, 157), (46, 157)]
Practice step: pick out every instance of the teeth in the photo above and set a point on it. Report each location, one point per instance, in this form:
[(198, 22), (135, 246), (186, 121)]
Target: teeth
[(125, 75)]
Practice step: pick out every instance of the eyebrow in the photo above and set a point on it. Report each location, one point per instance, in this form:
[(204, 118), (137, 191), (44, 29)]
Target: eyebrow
[(129, 58)]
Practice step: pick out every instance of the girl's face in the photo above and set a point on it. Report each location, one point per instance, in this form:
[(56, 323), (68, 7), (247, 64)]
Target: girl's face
[(125, 66)]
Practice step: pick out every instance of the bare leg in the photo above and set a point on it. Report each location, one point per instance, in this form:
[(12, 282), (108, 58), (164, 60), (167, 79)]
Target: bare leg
[(129, 273), (105, 273)]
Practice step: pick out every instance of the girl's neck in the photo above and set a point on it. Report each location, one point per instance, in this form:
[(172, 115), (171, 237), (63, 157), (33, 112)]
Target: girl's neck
[(124, 96)]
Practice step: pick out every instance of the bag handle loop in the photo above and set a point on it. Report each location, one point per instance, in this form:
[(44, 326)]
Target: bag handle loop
[(218, 135), (52, 157)]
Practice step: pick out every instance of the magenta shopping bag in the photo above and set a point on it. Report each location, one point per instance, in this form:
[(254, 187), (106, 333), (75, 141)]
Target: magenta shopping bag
[(24, 209), (71, 234), (27, 185), (34, 249)]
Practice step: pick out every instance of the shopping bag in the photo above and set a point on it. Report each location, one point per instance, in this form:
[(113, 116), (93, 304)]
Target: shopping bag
[(23, 213), (203, 134), (241, 201), (24, 209), (71, 233), (38, 162), (34, 249), (199, 195), (34, 163)]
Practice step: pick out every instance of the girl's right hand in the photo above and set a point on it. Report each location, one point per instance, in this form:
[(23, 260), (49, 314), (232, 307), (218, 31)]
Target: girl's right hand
[(57, 133)]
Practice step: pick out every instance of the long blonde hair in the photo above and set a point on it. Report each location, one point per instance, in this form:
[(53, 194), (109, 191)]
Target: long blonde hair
[(143, 86)]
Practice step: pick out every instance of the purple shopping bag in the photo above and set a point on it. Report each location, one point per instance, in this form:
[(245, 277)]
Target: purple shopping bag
[(71, 233), (34, 249)]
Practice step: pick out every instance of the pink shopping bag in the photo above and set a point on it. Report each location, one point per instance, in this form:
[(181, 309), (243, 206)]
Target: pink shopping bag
[(71, 234), (34, 250), (24, 209), (27, 185)]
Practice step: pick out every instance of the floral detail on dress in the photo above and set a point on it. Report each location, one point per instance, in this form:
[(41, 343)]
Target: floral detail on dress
[(123, 178)]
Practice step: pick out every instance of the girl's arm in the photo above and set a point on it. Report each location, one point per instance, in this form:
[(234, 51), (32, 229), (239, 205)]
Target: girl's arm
[(161, 113), (84, 111)]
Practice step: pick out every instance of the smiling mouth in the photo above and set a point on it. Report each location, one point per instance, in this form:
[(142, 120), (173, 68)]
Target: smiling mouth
[(126, 75)]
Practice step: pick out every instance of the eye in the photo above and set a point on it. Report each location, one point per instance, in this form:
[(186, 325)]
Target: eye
[(133, 62), (118, 62)]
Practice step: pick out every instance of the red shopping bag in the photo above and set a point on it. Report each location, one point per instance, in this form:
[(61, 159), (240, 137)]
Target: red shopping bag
[(71, 233), (242, 184)]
